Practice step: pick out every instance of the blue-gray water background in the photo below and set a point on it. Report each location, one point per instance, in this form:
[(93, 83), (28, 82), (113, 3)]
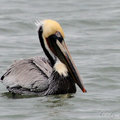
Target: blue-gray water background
[(92, 33)]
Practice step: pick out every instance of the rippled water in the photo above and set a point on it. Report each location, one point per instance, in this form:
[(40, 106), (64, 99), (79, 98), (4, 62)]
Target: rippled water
[(92, 30)]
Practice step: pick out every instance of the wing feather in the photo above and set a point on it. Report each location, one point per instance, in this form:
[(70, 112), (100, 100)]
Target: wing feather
[(30, 73)]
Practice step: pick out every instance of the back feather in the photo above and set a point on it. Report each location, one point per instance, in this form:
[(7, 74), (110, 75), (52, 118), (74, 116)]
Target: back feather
[(30, 74)]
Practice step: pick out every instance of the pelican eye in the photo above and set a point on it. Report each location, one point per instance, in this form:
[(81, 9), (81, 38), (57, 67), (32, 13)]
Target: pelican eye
[(59, 36)]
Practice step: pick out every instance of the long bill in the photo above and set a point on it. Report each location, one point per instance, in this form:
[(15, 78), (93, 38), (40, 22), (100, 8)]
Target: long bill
[(63, 54)]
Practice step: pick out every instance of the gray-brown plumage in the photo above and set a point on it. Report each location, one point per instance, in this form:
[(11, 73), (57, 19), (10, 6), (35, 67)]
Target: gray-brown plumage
[(39, 76), (28, 75)]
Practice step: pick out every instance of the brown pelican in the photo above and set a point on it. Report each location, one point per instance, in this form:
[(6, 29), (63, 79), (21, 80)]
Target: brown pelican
[(39, 76)]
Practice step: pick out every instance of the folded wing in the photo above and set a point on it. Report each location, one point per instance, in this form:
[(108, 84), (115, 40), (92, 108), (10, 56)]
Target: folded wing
[(30, 74)]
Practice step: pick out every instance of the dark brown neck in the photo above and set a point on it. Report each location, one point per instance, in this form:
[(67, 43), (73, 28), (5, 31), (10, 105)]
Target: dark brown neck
[(60, 84), (52, 61)]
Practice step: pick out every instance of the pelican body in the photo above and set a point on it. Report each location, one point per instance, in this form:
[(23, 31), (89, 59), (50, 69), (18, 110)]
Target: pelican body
[(40, 76)]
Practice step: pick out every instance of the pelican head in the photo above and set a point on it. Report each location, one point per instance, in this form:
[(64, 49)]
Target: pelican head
[(51, 37)]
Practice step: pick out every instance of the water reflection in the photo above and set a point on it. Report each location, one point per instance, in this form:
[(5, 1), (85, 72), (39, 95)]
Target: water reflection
[(16, 96), (58, 100), (51, 98)]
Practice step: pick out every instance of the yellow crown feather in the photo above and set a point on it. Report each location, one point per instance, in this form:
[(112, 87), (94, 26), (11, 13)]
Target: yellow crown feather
[(51, 27)]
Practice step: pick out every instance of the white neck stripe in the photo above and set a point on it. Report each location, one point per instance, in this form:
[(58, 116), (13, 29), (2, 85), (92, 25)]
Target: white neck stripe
[(61, 68), (48, 49)]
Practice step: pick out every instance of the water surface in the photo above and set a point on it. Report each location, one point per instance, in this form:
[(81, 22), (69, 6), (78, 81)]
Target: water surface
[(92, 33)]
